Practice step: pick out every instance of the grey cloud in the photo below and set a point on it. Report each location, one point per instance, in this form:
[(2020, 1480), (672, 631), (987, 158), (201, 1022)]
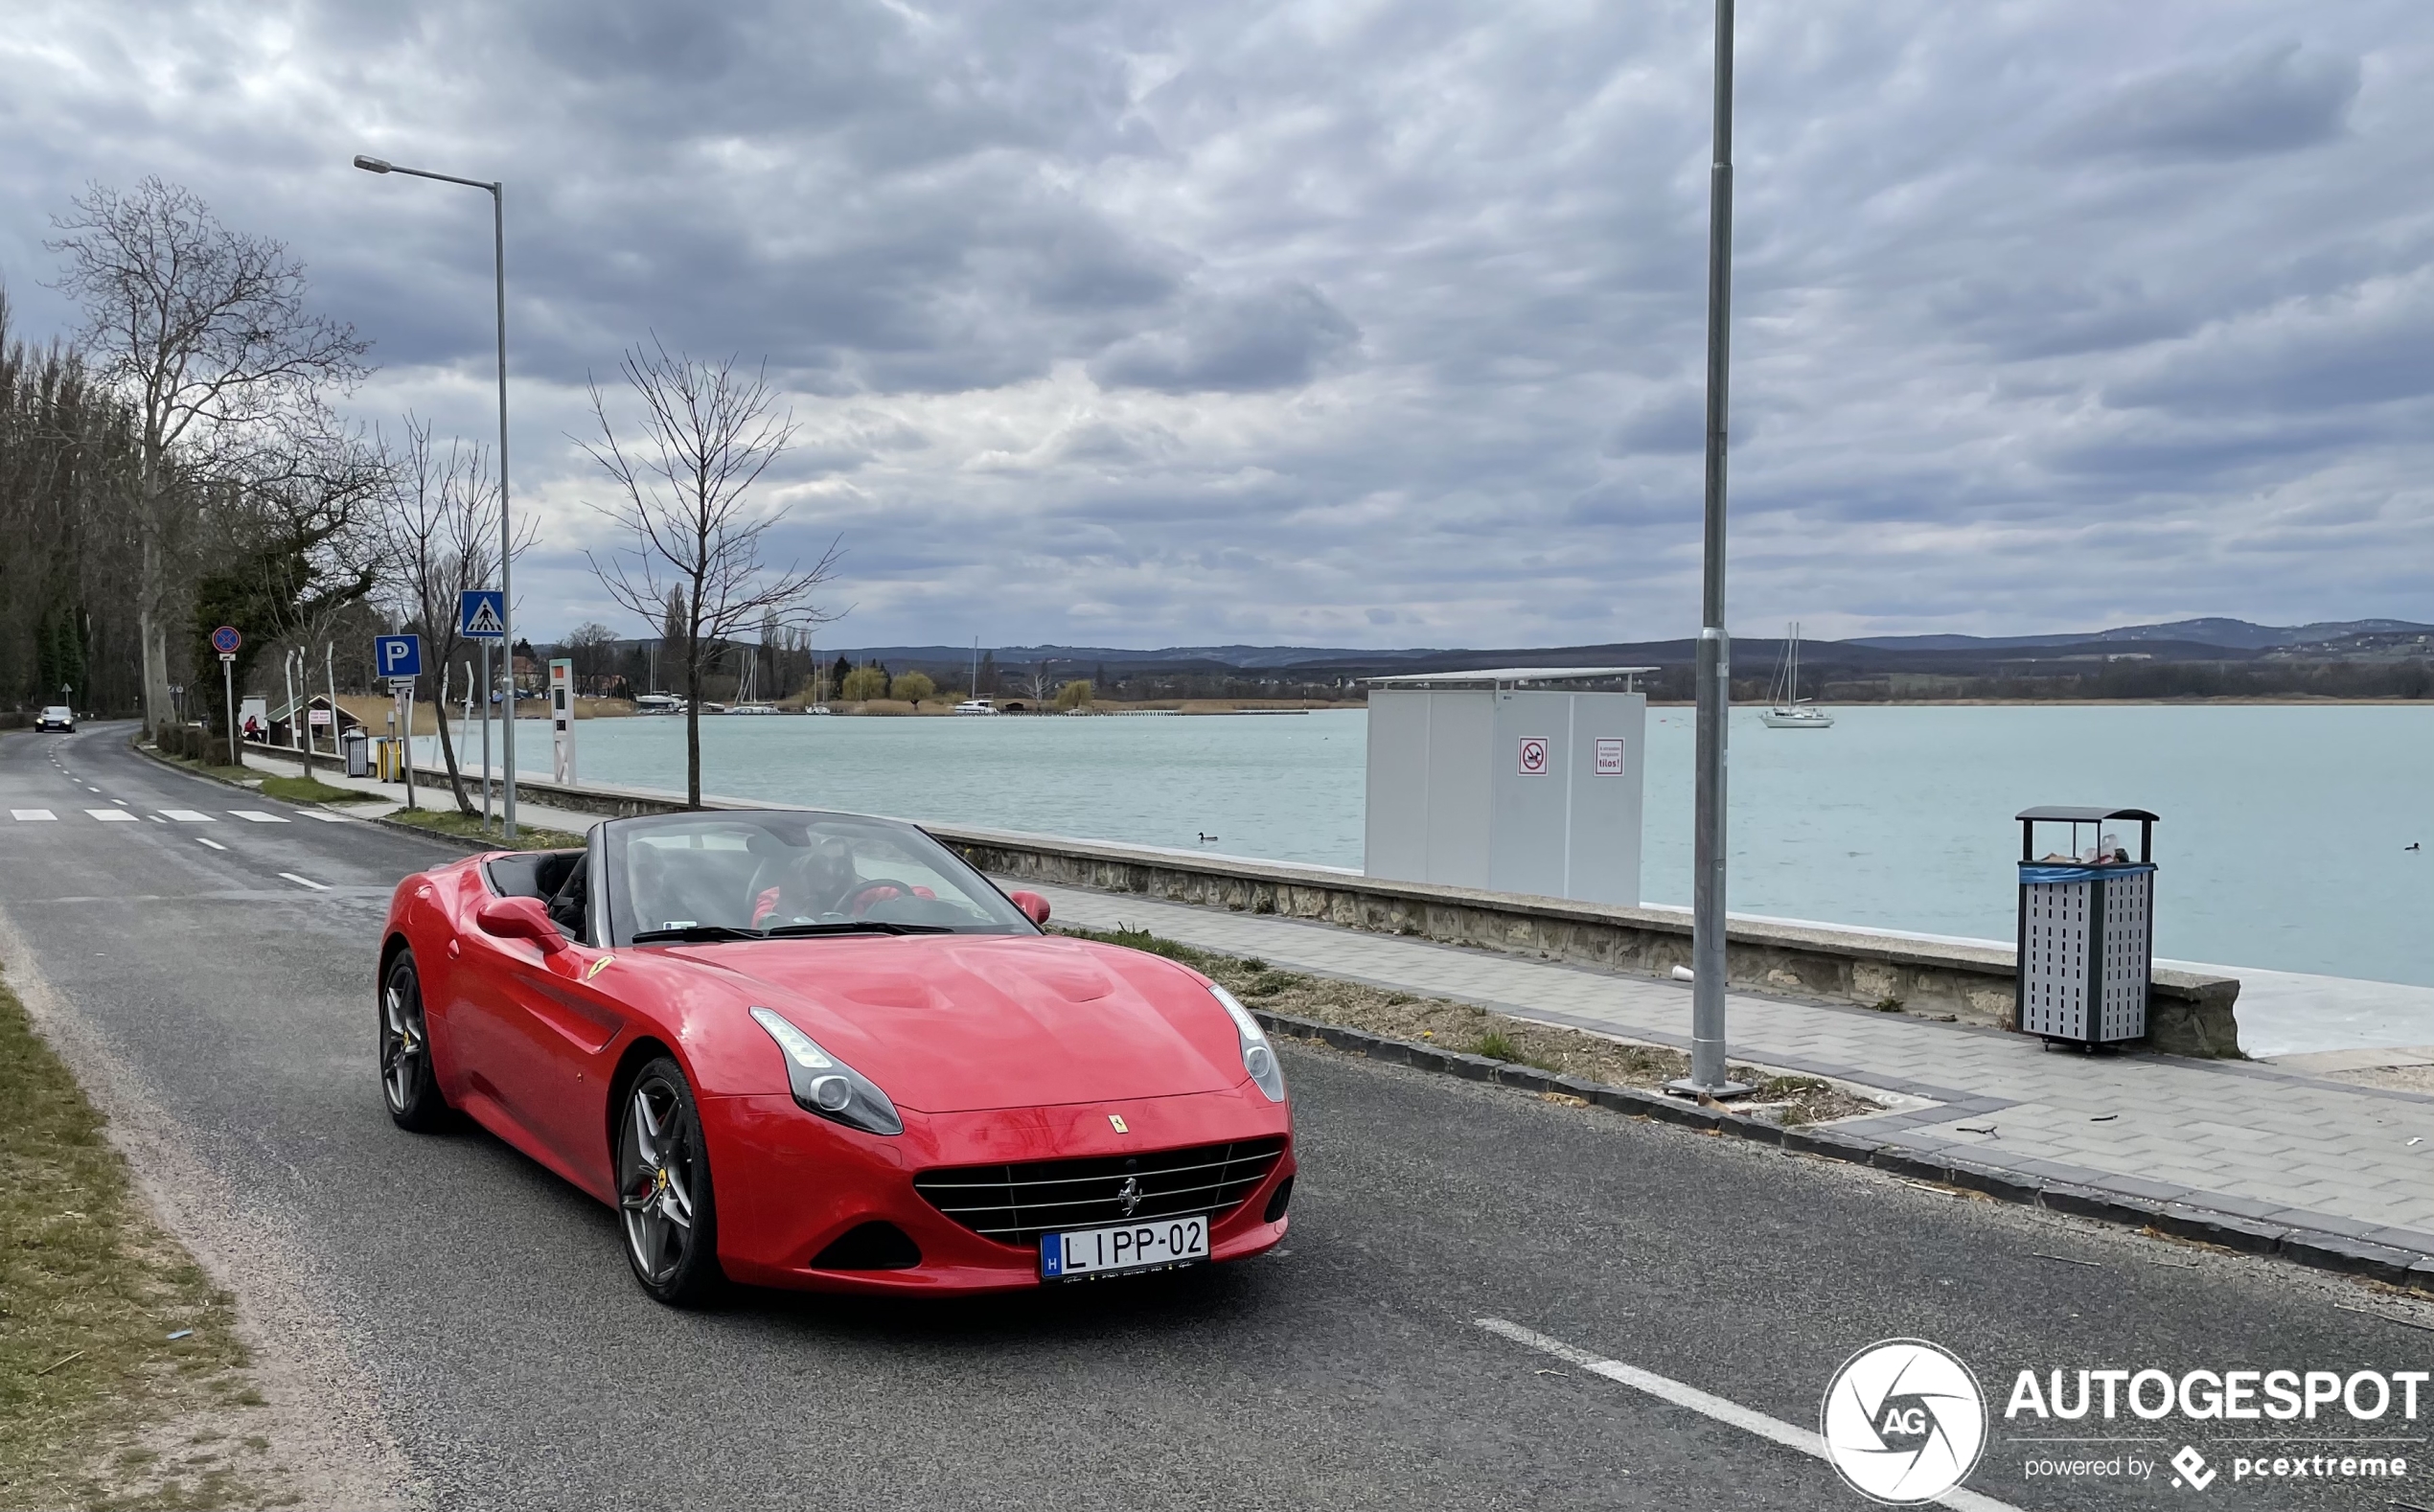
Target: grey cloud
[(1675, 420), (1276, 337), (2275, 98), (1252, 321)]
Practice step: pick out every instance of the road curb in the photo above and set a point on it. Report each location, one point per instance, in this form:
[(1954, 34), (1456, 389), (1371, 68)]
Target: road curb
[(2318, 1248)]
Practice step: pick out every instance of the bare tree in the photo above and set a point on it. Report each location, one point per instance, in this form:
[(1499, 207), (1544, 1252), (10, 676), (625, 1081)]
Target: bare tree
[(439, 526), (588, 646), (205, 333), (314, 507), (707, 432)]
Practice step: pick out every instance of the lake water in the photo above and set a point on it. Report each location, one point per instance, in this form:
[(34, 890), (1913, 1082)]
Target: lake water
[(2282, 843)]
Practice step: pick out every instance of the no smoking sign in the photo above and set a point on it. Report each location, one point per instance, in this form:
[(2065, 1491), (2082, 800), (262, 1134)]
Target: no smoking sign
[(1533, 755)]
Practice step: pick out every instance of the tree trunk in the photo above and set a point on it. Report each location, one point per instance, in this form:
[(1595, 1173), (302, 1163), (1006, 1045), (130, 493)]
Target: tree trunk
[(448, 749), (693, 720), (152, 634)]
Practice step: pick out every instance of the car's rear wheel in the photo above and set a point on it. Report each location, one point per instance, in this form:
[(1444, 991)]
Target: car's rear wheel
[(663, 1188), (406, 1082)]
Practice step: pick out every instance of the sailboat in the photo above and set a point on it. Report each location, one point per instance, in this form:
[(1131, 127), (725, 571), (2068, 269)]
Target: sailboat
[(1786, 711)]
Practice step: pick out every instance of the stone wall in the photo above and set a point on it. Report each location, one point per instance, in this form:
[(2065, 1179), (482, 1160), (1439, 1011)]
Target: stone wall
[(2188, 1014)]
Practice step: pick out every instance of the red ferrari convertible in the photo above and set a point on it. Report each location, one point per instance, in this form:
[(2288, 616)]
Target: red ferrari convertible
[(818, 1050)]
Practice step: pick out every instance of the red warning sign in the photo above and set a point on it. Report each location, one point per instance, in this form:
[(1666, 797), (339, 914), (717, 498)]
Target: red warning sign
[(1610, 758), (1533, 755)]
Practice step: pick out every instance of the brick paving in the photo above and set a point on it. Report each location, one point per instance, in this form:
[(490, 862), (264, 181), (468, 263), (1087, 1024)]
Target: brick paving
[(2244, 1139)]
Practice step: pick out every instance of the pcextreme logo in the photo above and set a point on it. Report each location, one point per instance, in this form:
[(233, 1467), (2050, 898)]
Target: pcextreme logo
[(1903, 1421)]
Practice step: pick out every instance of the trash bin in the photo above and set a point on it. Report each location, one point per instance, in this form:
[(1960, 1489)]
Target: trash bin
[(2087, 928), (358, 747)]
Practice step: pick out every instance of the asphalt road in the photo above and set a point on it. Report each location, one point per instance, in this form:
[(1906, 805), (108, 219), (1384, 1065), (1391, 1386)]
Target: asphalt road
[(480, 1310)]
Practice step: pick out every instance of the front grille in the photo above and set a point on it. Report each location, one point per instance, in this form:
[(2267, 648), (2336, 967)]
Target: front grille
[(1016, 1204)]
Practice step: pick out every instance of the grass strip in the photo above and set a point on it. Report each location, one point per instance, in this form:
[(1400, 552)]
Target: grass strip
[(242, 774), (1788, 1100), (312, 789), (90, 1291), (469, 827)]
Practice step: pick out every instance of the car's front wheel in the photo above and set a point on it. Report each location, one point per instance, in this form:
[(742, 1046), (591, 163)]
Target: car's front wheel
[(663, 1188), (406, 1082)]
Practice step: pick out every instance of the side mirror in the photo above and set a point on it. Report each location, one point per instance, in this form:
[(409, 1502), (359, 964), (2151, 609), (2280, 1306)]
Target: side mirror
[(1034, 906), (521, 919)]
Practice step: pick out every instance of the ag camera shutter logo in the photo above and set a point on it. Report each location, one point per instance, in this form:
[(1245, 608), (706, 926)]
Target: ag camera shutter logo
[(1903, 1421)]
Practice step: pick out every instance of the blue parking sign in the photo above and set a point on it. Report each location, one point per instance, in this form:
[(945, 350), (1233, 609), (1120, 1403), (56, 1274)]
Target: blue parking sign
[(398, 656), (481, 614)]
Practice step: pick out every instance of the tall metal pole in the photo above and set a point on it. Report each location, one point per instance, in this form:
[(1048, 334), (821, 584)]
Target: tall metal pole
[(490, 691), (1715, 671), (506, 533), (498, 191)]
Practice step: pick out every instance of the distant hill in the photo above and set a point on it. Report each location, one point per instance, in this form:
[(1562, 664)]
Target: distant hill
[(1245, 657), (2238, 634)]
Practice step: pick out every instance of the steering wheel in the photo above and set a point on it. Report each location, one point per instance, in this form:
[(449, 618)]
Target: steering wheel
[(852, 903)]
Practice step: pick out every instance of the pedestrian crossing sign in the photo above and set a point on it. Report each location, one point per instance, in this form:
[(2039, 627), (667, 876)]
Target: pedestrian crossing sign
[(481, 614)]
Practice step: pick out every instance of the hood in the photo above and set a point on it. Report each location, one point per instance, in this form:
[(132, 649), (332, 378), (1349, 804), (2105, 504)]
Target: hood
[(962, 1023)]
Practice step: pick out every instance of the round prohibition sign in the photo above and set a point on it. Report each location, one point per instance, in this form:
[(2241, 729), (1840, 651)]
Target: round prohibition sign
[(226, 639), (1533, 756)]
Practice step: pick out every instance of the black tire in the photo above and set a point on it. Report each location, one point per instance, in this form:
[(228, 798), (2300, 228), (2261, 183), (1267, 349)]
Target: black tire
[(665, 1204), (407, 1085)]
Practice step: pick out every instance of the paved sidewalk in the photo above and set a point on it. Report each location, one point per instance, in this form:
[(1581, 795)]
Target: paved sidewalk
[(390, 796), (2249, 1141)]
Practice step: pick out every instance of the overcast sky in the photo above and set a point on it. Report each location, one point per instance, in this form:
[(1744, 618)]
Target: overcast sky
[(1156, 324)]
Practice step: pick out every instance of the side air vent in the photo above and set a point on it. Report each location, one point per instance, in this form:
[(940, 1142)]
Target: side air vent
[(870, 1247)]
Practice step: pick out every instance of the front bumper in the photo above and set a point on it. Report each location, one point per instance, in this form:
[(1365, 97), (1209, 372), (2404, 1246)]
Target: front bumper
[(789, 1184)]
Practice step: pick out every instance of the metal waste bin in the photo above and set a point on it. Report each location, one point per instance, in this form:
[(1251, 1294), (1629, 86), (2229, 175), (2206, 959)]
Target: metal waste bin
[(358, 746), (2087, 928)]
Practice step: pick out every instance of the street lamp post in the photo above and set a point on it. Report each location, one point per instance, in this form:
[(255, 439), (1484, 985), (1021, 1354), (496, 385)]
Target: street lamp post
[(506, 534), (1708, 1060)]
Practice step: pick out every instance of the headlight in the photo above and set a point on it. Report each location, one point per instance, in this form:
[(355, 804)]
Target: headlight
[(1258, 1056), (826, 1085)]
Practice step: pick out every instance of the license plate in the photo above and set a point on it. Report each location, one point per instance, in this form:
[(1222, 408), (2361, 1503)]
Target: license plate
[(1132, 1247)]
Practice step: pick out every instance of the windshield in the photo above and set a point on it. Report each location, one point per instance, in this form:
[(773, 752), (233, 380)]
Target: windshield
[(54, 712), (730, 875)]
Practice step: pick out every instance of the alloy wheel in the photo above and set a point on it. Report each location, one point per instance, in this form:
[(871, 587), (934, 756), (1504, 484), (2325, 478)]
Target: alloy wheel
[(656, 1185)]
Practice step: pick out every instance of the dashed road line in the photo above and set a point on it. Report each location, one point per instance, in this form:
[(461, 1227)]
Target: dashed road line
[(306, 881), (33, 815), (256, 816), (1707, 1404), (113, 816), (187, 816), (205, 840)]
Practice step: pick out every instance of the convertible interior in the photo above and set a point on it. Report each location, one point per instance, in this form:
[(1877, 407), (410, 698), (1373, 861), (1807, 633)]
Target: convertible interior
[(557, 878)]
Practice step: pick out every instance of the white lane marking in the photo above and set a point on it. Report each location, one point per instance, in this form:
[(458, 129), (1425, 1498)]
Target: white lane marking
[(188, 817), (256, 816), (306, 881), (205, 840), (325, 815), (1665, 1389), (32, 815), (110, 815)]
